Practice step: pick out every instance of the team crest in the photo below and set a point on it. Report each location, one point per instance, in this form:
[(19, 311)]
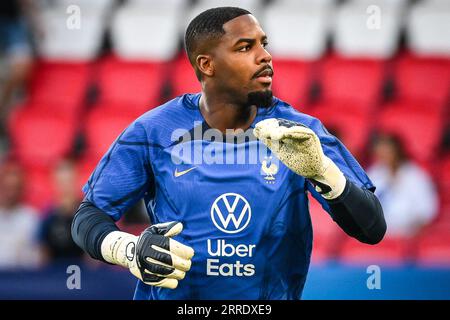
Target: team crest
[(269, 169)]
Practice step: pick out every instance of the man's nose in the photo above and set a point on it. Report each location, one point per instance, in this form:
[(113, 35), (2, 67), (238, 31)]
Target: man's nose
[(264, 56)]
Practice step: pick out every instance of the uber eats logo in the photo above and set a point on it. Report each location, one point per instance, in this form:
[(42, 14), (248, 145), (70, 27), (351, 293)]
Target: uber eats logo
[(230, 213)]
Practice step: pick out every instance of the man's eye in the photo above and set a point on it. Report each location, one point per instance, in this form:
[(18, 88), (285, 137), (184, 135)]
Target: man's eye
[(265, 44), (246, 48)]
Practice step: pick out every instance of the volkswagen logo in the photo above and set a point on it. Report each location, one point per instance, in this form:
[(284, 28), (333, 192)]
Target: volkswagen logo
[(231, 207)]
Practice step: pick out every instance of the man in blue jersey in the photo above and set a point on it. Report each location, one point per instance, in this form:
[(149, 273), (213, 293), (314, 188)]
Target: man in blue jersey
[(225, 174)]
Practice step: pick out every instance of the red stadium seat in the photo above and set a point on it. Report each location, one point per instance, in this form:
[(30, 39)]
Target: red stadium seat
[(103, 126), (40, 139), (38, 187), (442, 173), (391, 251), (348, 122), (183, 78), (125, 84), (352, 80), (420, 130), (60, 84), (85, 167), (434, 247), (327, 234), (424, 80), (292, 81)]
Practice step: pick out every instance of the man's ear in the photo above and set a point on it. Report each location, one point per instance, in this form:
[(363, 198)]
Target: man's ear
[(205, 64)]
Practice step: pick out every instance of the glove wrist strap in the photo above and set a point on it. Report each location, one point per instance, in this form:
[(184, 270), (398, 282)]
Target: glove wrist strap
[(331, 183), (119, 248)]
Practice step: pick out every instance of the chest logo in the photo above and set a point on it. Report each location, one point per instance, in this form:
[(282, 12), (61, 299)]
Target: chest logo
[(180, 173), (269, 169), (231, 207)]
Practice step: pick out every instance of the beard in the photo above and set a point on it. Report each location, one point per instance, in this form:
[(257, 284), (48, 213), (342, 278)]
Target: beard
[(261, 99)]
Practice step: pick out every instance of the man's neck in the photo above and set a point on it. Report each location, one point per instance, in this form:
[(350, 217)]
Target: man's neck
[(222, 115)]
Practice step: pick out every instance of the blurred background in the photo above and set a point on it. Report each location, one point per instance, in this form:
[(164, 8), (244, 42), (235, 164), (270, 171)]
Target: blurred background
[(75, 73)]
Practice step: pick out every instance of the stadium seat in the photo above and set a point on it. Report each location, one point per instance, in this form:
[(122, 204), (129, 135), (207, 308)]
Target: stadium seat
[(71, 34), (325, 3), (390, 251), (40, 139), (292, 81), (327, 234), (359, 33), (424, 80), (433, 248), (442, 177), (59, 87), (311, 22), (130, 84), (98, 5), (351, 125), (183, 79), (358, 81), (253, 6), (428, 28), (420, 129), (144, 32), (38, 187), (84, 166), (103, 126)]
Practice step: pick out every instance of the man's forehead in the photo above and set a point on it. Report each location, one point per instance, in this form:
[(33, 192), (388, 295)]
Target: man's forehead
[(245, 26)]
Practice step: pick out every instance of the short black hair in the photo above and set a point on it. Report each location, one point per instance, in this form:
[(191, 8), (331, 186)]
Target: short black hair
[(208, 26)]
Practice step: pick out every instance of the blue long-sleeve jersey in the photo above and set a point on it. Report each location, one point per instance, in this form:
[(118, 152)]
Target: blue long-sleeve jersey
[(248, 221)]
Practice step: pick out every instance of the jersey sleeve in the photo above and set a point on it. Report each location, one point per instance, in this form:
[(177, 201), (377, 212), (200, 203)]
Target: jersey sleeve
[(339, 154), (124, 175)]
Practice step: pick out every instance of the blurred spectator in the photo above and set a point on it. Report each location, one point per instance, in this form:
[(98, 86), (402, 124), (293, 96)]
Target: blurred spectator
[(405, 190), (18, 222), (15, 49), (55, 237)]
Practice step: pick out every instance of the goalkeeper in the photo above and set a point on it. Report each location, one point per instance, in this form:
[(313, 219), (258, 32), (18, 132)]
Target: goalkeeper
[(224, 230)]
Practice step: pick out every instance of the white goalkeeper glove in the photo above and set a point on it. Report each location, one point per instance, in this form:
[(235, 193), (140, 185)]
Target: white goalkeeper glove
[(153, 257), (299, 148)]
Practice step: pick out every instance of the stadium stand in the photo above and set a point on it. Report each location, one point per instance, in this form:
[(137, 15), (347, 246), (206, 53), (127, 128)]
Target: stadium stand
[(117, 78), (428, 31), (141, 32), (375, 37), (72, 38), (62, 84), (343, 82), (102, 128), (311, 22), (182, 78)]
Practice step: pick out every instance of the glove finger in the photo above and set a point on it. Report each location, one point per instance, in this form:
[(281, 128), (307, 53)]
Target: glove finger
[(155, 266), (177, 274), (168, 229), (263, 128), (164, 283), (181, 250), (162, 271), (299, 137), (181, 263), (171, 259)]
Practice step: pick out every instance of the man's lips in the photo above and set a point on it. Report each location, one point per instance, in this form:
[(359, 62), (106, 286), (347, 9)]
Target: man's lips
[(266, 72), (264, 76)]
